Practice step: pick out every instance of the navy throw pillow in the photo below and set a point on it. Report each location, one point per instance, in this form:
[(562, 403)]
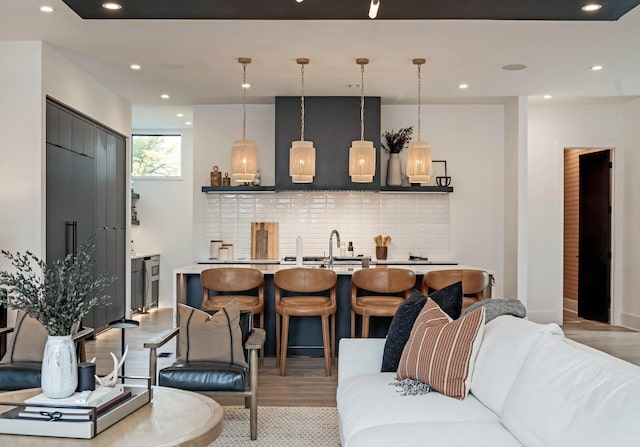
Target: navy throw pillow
[(448, 298)]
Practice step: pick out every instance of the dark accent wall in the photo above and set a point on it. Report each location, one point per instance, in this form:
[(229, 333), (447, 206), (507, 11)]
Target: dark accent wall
[(332, 123)]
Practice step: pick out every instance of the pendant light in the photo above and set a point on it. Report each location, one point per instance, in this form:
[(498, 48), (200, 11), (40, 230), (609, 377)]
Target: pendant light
[(302, 154), (362, 154), (419, 152), (244, 153)]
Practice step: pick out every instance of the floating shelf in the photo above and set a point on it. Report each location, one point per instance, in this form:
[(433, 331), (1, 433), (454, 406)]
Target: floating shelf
[(416, 189), (242, 188), (259, 189)]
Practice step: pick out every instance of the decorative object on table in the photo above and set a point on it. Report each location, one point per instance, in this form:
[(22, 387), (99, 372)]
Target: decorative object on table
[(58, 295), (216, 177), (362, 154), (393, 143), (226, 181), (302, 154), (438, 171), (86, 376), (419, 164), (381, 246), (244, 153), (256, 179)]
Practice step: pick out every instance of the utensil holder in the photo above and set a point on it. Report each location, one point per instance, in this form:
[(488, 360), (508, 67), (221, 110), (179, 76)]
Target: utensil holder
[(381, 253)]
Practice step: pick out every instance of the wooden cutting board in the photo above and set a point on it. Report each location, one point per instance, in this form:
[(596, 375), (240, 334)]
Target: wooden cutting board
[(265, 240)]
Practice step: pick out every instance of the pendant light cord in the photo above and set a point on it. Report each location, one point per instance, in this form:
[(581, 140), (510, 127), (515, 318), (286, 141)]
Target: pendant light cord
[(361, 102), (302, 103), (244, 101), (419, 105)]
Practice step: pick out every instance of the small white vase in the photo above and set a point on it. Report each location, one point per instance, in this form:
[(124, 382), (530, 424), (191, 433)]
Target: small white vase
[(394, 171), (59, 367)]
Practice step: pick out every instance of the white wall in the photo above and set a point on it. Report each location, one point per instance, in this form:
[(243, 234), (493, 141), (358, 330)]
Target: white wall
[(631, 234), (165, 215), (551, 129), (21, 127)]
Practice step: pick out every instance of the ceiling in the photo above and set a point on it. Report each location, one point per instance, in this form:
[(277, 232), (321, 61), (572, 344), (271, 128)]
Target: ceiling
[(352, 9), (195, 61)]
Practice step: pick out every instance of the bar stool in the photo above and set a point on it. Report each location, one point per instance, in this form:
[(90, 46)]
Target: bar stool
[(475, 283), (230, 283), (384, 290), (301, 286)]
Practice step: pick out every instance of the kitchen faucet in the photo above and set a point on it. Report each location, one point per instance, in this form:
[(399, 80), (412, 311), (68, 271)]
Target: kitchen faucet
[(331, 245)]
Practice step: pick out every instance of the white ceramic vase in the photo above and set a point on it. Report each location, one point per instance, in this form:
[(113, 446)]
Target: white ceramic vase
[(59, 367), (394, 171)]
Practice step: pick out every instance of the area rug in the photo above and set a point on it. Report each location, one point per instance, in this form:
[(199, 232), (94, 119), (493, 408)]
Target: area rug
[(281, 427)]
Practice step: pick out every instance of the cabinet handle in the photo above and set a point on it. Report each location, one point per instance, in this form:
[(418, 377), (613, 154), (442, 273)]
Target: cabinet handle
[(71, 238)]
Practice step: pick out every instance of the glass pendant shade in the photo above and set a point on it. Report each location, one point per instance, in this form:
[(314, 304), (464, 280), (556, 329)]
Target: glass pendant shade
[(362, 161), (419, 162), (302, 161), (244, 161)]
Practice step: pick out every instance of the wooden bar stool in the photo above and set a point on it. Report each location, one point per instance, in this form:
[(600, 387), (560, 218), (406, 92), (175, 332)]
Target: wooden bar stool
[(306, 282), (383, 290), (475, 283), (230, 283)]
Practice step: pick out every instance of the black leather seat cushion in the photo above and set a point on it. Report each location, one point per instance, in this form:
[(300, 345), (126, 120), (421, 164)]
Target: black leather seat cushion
[(203, 376), (18, 376)]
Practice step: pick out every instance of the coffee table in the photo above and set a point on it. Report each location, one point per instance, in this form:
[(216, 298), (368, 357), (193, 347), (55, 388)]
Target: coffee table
[(174, 417)]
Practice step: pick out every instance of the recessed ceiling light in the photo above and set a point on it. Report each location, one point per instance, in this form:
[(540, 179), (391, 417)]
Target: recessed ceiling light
[(596, 67), (135, 67), (463, 86), (113, 6), (353, 85), (179, 115), (188, 123), (299, 1), (164, 96), (514, 67), (46, 8), (246, 85), (547, 96), (590, 7)]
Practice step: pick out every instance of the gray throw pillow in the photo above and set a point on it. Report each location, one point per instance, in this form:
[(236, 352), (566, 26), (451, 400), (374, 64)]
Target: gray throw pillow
[(448, 298), (494, 307)]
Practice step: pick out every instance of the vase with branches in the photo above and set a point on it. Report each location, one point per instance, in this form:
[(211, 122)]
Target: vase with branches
[(58, 295), (393, 143)]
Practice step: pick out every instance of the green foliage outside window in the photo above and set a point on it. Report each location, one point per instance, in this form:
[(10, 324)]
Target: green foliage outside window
[(156, 155)]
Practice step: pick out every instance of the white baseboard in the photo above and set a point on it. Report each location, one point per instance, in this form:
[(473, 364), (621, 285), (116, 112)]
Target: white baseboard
[(570, 305), (630, 321)]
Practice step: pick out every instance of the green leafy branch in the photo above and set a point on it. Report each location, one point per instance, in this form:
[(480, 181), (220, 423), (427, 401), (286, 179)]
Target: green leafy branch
[(395, 142)]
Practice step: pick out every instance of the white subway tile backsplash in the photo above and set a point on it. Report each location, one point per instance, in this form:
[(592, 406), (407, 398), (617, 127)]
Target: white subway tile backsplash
[(418, 223)]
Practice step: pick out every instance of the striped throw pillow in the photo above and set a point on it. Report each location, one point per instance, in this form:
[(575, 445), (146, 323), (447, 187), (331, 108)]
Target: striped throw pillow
[(441, 352)]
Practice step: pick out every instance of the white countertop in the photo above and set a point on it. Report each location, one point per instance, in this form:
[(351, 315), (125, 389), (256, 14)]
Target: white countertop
[(270, 269), (138, 255)]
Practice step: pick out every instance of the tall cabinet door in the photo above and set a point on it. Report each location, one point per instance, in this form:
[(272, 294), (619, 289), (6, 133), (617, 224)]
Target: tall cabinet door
[(58, 201), (84, 196)]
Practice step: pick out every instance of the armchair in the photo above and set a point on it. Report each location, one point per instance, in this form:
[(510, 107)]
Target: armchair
[(21, 366), (214, 378)]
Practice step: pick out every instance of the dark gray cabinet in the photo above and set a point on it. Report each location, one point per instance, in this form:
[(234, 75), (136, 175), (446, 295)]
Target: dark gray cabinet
[(137, 284), (86, 176), (332, 123)]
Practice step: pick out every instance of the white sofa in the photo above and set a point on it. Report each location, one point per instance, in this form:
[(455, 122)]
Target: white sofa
[(530, 386)]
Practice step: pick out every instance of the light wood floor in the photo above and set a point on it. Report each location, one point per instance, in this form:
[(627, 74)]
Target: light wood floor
[(305, 383)]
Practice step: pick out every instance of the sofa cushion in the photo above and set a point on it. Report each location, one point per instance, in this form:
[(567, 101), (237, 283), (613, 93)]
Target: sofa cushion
[(505, 344), (569, 394), (367, 401), (203, 376), (440, 352), (26, 342), (449, 434), (448, 298), (207, 338)]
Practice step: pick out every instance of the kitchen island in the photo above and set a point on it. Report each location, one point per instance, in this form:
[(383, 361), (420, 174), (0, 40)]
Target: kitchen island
[(305, 335)]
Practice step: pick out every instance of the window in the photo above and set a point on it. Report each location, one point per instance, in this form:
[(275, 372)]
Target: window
[(156, 155)]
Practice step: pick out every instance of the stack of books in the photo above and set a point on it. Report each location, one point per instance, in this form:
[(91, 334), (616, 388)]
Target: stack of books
[(79, 406)]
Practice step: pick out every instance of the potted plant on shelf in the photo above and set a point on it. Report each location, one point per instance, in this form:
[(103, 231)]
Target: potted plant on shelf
[(393, 143), (59, 295)]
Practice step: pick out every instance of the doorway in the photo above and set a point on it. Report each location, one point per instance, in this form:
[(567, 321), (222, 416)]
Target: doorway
[(587, 234)]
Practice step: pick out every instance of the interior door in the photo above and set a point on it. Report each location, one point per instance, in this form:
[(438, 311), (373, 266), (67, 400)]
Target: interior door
[(594, 267)]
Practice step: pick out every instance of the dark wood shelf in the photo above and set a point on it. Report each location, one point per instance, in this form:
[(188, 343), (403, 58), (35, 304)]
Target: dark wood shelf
[(240, 188), (416, 189)]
